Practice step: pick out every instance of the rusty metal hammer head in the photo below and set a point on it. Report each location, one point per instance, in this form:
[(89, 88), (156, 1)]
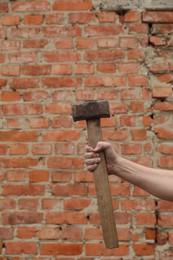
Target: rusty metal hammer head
[(90, 109)]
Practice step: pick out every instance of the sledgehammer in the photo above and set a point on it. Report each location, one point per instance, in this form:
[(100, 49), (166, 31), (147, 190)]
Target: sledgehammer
[(92, 111)]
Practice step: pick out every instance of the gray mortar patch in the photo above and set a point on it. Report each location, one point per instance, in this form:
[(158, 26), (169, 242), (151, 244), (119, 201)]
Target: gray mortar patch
[(111, 5)]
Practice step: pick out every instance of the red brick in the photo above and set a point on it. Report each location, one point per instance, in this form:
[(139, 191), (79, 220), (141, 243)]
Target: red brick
[(65, 31), (35, 44), (157, 41), (131, 149), (3, 149), (61, 82), (81, 18), (139, 134), (58, 108), (119, 108), (109, 95), (128, 42), (16, 175), (10, 70), (25, 33), (18, 149), (10, 20), (3, 7), (107, 43), (104, 55), (139, 28), (22, 109), (64, 135), (24, 189), (42, 149), (66, 218), (31, 6), (84, 94), (38, 176), (137, 106), (100, 250), (73, 233), (137, 80), (84, 68), (73, 5), (103, 30), (107, 17), (62, 121), (136, 55), (24, 83), (106, 67), (21, 218), (143, 249), (10, 96), (48, 233), (59, 176), (105, 81), (3, 33), (73, 189), (6, 233), (118, 134), (131, 16), (157, 16), (150, 233), (28, 204), (35, 95), (17, 136), (26, 232), (162, 238), (128, 67), (50, 203), (7, 204), (85, 43), (60, 249), (164, 106), (165, 148), (17, 248), (33, 19), (159, 92), (3, 82), (163, 133), (145, 218), (128, 121), (36, 70), (26, 57), (166, 162), (64, 69), (64, 148), (9, 45), (76, 204), (39, 122), (54, 18)]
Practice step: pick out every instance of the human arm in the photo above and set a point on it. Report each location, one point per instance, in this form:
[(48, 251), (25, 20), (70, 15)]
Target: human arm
[(158, 182)]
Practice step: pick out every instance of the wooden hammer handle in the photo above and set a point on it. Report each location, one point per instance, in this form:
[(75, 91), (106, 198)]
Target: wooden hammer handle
[(101, 180)]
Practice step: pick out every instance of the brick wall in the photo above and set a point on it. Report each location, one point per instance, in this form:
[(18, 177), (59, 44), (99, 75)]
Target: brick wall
[(53, 54)]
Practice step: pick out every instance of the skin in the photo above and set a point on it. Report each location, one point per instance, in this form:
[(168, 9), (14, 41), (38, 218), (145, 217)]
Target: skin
[(158, 182)]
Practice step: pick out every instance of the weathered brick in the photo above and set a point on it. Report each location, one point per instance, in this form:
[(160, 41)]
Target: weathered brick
[(73, 5), (61, 249)]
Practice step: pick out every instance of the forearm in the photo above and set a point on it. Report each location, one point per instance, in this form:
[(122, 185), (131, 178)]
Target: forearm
[(157, 182)]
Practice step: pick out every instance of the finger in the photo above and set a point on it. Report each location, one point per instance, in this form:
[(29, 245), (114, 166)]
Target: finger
[(88, 148), (92, 161), (91, 155), (101, 146), (92, 168)]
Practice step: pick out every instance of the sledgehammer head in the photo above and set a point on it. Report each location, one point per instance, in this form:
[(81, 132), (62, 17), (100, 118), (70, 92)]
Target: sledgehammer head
[(90, 109)]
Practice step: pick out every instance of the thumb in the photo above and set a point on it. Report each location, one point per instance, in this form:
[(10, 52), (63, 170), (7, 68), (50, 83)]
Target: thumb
[(100, 146)]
